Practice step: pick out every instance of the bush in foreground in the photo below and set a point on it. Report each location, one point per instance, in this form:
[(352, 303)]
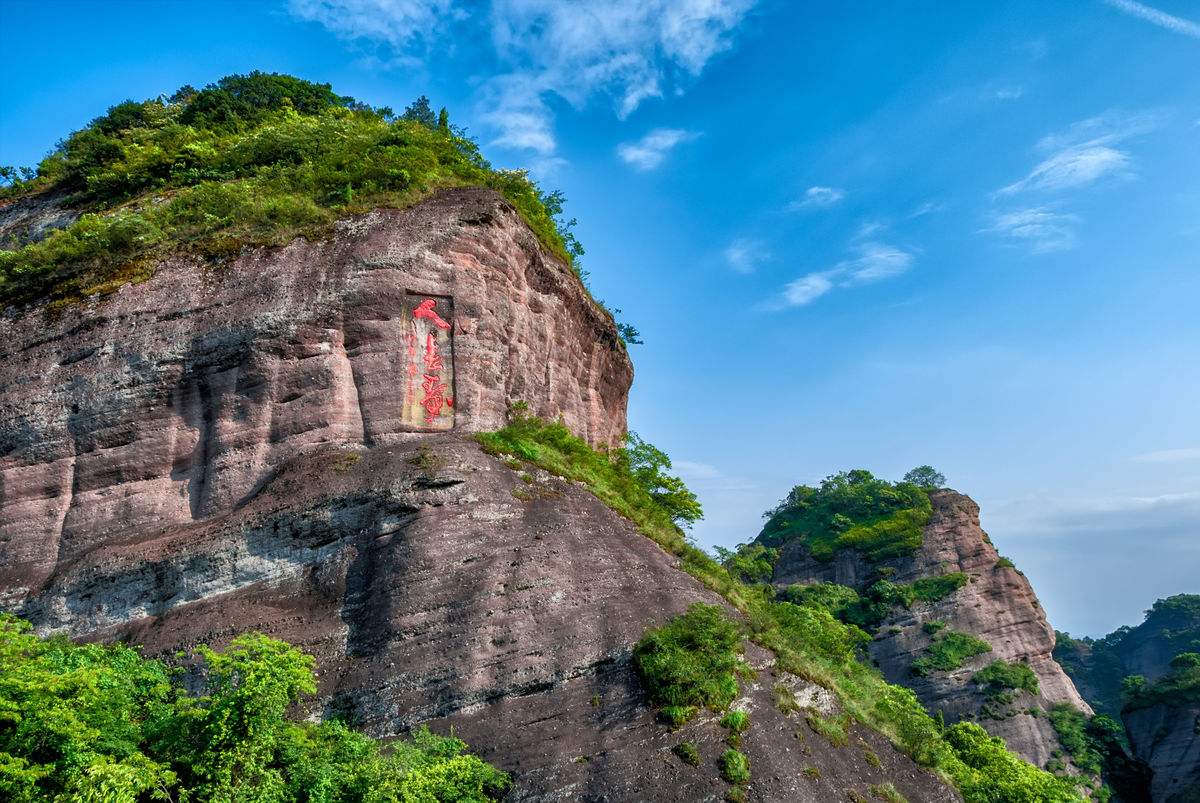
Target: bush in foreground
[(101, 723)]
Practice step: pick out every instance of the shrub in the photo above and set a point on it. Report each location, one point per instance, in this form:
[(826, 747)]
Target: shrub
[(688, 753), (851, 510), (736, 722), (735, 767), (1000, 676), (1071, 725), (1005, 563), (886, 791), (750, 563), (833, 728), (949, 651), (991, 773), (99, 722), (691, 661), (934, 626)]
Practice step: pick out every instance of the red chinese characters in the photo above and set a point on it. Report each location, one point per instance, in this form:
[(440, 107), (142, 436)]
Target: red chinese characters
[(433, 387)]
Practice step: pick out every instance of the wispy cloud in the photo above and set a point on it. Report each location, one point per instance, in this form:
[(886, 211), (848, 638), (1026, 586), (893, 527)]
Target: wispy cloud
[(405, 25), (1040, 229), (1159, 18), (1169, 456), (1085, 152), (705, 477), (745, 255), (817, 198), (622, 51), (649, 152), (873, 262)]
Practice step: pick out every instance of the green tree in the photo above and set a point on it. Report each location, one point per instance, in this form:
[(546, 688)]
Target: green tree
[(649, 466), (926, 477), (419, 111), (443, 120)]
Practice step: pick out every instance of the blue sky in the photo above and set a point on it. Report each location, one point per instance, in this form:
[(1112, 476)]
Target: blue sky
[(853, 234)]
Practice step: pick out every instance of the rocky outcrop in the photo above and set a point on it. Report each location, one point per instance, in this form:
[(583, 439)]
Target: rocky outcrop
[(221, 450), (1166, 737), (175, 399), (997, 605)]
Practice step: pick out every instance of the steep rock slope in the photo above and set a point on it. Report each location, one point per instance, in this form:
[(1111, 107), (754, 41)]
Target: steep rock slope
[(211, 452), (997, 605), (1163, 730), (176, 398)]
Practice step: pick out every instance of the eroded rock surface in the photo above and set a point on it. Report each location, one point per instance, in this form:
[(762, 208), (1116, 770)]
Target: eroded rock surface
[(175, 399), (997, 605), (1167, 739)]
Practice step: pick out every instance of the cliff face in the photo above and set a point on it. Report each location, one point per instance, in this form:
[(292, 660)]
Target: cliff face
[(1166, 737), (212, 452), (175, 399), (997, 605)]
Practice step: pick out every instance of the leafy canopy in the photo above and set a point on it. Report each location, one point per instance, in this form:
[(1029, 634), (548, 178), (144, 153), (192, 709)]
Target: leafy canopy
[(255, 159), (101, 723), (851, 510)]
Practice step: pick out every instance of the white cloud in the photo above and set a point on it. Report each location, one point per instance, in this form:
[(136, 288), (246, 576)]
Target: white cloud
[(625, 51), (1041, 229), (744, 255), (806, 289), (649, 152), (403, 24), (1085, 152), (875, 261), (1176, 513), (705, 477), (1159, 18), (1008, 93), (1169, 456), (817, 198), (1071, 167)]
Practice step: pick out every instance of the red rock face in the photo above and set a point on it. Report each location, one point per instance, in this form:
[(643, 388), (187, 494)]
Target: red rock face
[(175, 400), (997, 605)]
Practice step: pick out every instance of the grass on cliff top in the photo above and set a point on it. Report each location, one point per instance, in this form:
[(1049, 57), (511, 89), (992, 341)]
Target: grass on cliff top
[(851, 510), (950, 650), (254, 159), (101, 723), (806, 640)]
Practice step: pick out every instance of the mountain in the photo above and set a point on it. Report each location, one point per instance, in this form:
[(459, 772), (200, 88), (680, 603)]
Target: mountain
[(272, 360), (1142, 675)]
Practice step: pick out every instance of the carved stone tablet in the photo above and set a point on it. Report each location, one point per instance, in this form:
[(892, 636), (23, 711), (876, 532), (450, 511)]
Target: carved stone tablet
[(428, 344)]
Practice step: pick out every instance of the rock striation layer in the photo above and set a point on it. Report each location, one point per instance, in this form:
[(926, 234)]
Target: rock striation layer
[(1166, 737), (997, 605), (175, 399)]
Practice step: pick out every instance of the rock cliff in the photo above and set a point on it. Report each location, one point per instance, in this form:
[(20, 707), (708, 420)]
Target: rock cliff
[(215, 451), (1166, 737), (997, 605), (175, 399)]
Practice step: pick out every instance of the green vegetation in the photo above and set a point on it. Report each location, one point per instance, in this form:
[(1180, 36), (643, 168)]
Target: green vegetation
[(807, 641), (687, 753), (1178, 688), (934, 626), (1005, 563), (834, 729), (926, 477), (101, 723), (736, 722), (1072, 727), (888, 792), (949, 651), (691, 662), (735, 767), (851, 510), (868, 609), (750, 563), (253, 159), (998, 775), (632, 481), (999, 678)]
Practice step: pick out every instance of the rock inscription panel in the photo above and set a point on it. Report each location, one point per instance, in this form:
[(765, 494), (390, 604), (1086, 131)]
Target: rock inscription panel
[(428, 344)]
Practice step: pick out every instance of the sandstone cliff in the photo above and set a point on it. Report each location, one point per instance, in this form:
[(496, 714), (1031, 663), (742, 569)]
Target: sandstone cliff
[(176, 399), (997, 605), (211, 452)]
